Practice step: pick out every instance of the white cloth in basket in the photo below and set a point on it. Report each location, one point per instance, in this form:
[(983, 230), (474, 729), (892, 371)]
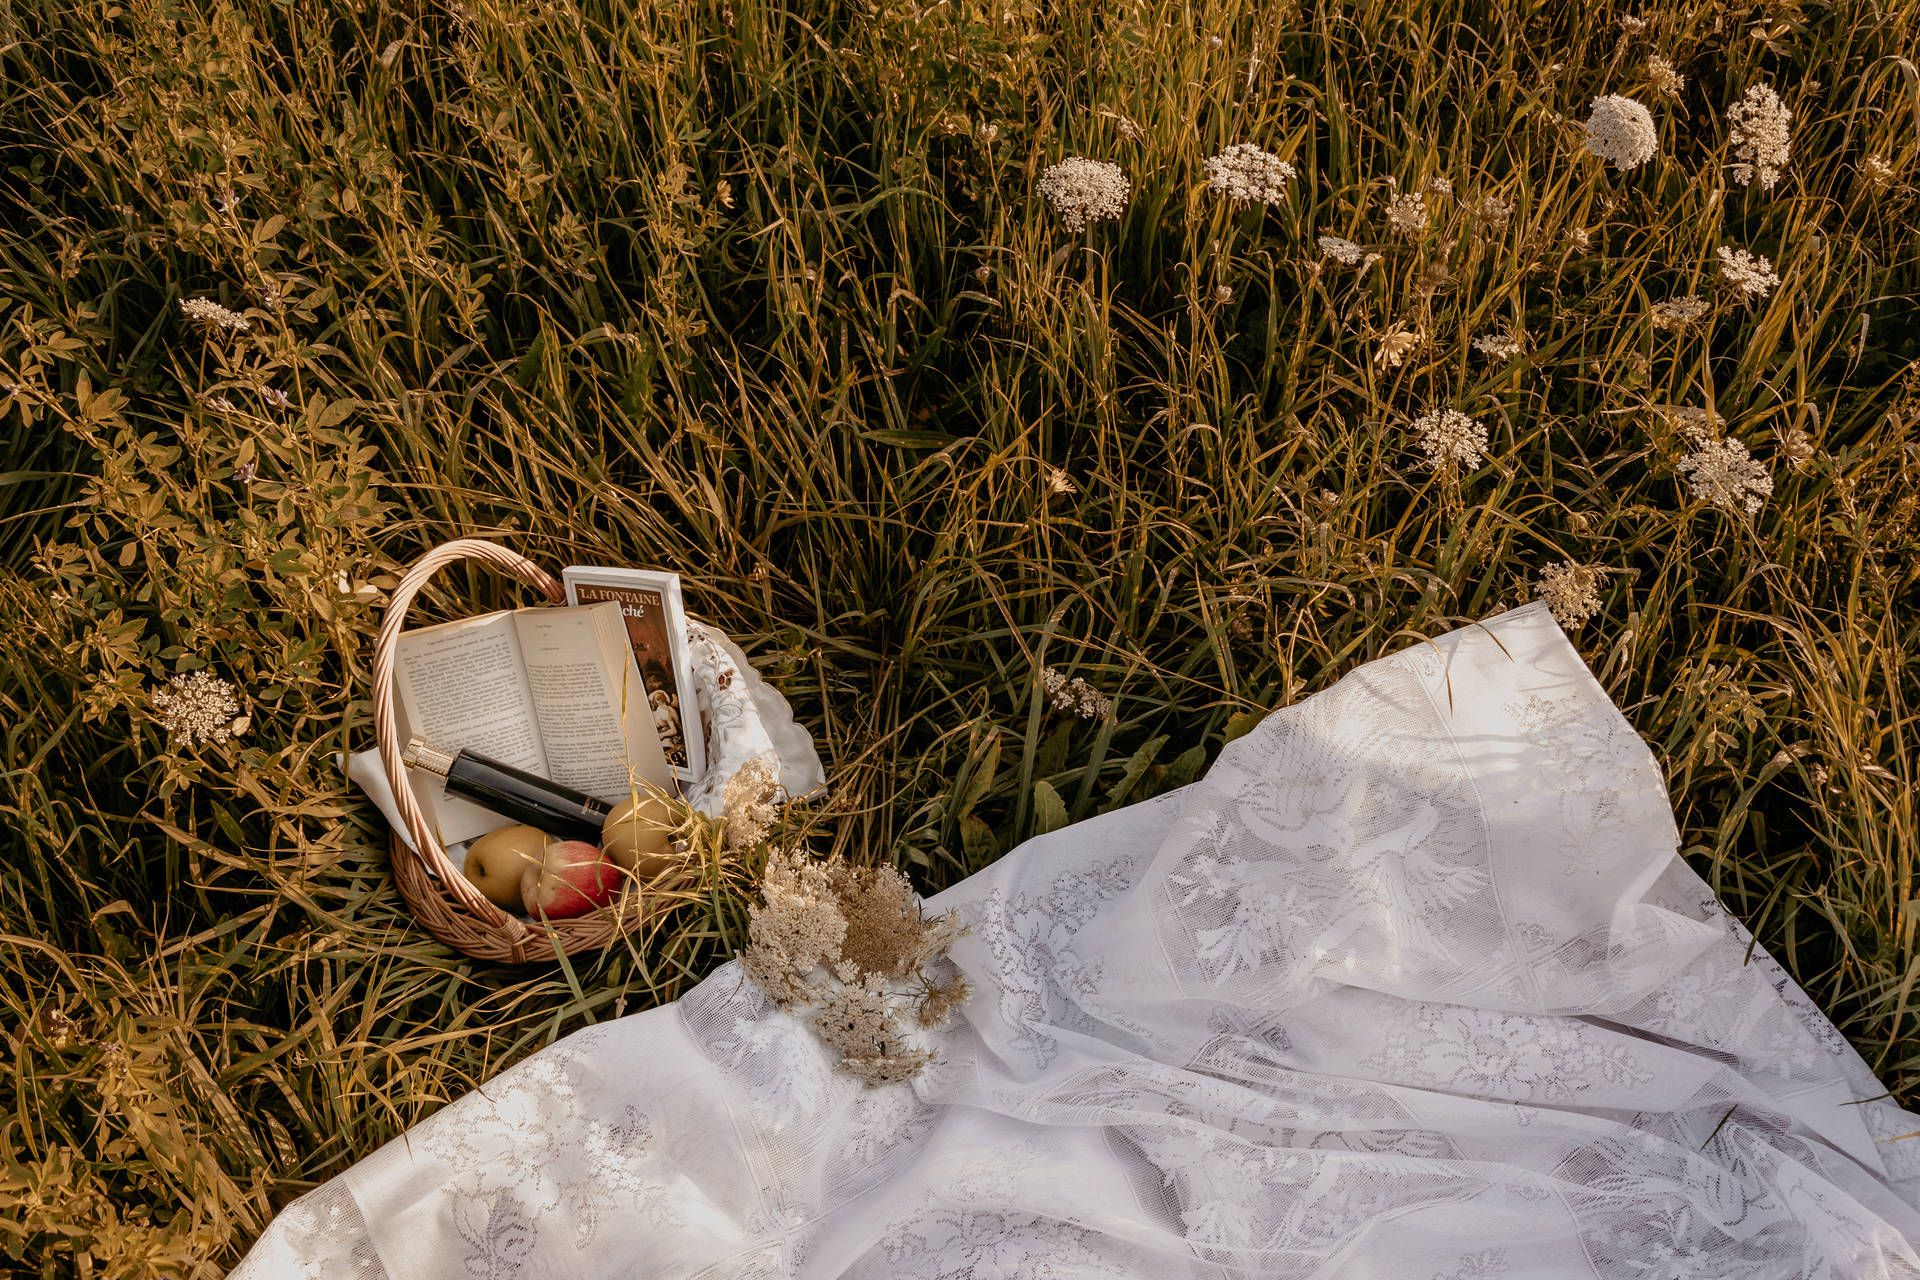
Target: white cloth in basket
[(1410, 985)]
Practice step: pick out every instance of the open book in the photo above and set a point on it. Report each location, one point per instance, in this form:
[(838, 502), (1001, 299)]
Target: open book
[(553, 691)]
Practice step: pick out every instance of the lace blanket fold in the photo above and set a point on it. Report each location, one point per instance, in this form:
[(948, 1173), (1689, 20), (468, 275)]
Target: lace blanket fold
[(1411, 984)]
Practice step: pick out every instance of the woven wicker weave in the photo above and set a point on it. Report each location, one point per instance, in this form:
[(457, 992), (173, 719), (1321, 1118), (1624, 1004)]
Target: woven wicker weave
[(444, 902)]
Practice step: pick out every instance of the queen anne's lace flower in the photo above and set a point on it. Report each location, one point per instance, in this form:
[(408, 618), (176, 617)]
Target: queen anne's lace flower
[(1246, 173), (1084, 191), (1620, 131), (1720, 471), (1680, 313), (1692, 419), (1075, 696), (213, 317), (1407, 213), (1666, 80), (1500, 344), (1761, 136), (750, 803), (845, 948), (1450, 439), (1747, 274), (1572, 592), (1346, 252), (198, 707)]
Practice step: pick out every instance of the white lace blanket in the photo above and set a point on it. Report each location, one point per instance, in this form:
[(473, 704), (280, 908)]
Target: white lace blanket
[(1411, 985)]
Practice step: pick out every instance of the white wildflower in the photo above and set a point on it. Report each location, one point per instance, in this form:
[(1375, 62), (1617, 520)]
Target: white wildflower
[(1692, 419), (1621, 132), (750, 803), (1084, 191), (1245, 173), (1572, 592), (1680, 313), (1747, 274), (1494, 211), (1075, 696), (1450, 439), (1407, 213), (1666, 80), (1720, 471), (1760, 136), (213, 317), (198, 707), (1500, 344), (1442, 187), (1877, 172), (1346, 252)]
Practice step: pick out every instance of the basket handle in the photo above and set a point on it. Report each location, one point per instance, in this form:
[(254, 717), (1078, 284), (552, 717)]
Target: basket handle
[(386, 722)]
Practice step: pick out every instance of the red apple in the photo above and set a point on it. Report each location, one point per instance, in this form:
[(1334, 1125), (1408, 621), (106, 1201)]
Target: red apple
[(571, 880)]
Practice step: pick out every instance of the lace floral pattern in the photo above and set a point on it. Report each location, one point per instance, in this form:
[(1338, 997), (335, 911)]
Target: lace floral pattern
[(1295, 865), (526, 1153), (1035, 969), (974, 1244), (1506, 1055)]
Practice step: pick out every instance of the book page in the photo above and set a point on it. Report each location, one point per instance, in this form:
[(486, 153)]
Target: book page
[(590, 705), (461, 686)]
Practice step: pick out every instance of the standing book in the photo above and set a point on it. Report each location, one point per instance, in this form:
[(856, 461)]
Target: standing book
[(656, 619)]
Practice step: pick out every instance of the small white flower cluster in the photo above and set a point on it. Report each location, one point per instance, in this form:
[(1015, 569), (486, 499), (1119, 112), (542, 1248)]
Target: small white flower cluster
[(1494, 211), (1720, 471), (1680, 313), (1407, 213), (1500, 344), (1748, 274), (1572, 592), (1450, 439), (1247, 174), (1084, 191), (198, 707), (1075, 696), (1620, 131), (1691, 418), (213, 317), (1665, 79), (1346, 252), (1761, 136)]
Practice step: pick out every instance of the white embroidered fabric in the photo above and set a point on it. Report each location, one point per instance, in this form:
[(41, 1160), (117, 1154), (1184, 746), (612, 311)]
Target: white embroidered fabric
[(1410, 985)]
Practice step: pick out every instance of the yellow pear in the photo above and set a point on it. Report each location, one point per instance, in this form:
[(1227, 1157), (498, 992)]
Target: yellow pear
[(638, 835), (496, 860)]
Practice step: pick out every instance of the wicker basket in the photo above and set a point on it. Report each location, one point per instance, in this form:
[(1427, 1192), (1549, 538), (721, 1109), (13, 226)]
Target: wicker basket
[(444, 901)]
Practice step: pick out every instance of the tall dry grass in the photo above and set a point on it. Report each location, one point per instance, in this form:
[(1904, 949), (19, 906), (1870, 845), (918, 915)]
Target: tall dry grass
[(763, 293)]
